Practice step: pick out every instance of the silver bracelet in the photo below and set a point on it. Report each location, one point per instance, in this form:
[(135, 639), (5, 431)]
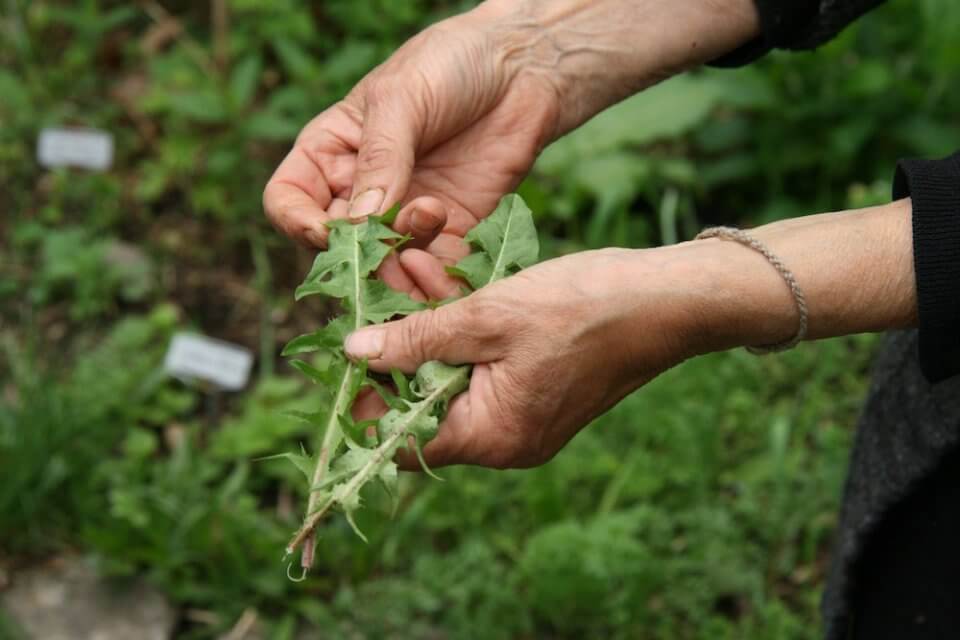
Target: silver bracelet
[(744, 238)]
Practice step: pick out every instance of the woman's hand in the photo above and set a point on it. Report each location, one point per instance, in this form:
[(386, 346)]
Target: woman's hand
[(558, 344), (455, 118), (446, 126), (554, 346)]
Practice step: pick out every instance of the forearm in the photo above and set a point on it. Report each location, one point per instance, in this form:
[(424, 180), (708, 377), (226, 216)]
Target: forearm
[(597, 52), (854, 267)]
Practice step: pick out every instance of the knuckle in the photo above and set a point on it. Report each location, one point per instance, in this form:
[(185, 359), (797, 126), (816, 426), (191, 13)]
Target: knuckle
[(286, 216), (377, 154), (378, 88), (415, 332), (488, 314)]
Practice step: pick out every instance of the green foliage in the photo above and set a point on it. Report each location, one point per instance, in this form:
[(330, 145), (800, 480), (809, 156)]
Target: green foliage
[(272, 413), (506, 240), (342, 272), (789, 135), (8, 629), (57, 430), (91, 274), (200, 535)]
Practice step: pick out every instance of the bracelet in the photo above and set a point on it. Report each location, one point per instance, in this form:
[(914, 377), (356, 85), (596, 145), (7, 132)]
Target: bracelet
[(744, 238)]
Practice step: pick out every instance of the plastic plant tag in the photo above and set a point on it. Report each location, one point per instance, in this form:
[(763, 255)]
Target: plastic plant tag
[(221, 364), (84, 148)]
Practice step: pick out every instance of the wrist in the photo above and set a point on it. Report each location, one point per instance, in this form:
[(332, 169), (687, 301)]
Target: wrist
[(855, 269), (743, 301), (598, 52)]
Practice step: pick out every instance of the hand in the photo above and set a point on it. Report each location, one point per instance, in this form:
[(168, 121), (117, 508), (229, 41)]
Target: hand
[(446, 126), (554, 346), (455, 118), (558, 344)]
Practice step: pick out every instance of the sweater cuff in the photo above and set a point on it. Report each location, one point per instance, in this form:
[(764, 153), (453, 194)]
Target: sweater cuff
[(780, 22), (934, 187)]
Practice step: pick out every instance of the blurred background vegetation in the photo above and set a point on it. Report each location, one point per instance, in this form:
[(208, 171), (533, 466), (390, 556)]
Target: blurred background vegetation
[(702, 506)]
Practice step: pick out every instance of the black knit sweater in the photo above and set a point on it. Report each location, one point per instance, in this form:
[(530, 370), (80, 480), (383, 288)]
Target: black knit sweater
[(894, 569)]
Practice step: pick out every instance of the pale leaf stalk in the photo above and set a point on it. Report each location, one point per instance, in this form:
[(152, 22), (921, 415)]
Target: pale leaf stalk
[(380, 455), (333, 434)]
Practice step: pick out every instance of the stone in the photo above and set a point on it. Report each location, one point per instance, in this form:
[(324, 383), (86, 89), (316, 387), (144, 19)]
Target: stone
[(65, 599)]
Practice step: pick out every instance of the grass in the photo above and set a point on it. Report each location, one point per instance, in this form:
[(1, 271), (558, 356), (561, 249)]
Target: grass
[(665, 518)]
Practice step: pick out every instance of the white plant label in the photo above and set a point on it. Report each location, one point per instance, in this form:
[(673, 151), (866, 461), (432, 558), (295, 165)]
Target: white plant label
[(84, 148), (222, 364)]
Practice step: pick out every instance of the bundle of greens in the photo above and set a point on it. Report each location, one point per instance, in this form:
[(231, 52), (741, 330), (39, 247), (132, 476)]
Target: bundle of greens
[(350, 454)]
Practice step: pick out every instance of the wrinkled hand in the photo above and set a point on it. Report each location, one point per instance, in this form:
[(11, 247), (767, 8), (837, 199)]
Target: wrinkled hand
[(455, 118), (446, 126), (553, 347)]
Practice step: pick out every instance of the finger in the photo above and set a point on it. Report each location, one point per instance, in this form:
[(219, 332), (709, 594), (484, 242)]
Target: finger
[(428, 274), (460, 332), (397, 279), (295, 199), (338, 209), (429, 182), (368, 406), (422, 218), (449, 248), (385, 158)]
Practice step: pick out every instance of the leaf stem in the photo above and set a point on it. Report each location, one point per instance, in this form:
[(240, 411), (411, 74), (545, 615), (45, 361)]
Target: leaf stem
[(333, 434), (380, 455)]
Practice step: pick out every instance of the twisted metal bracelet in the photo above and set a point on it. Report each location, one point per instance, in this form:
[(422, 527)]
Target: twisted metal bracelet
[(744, 238)]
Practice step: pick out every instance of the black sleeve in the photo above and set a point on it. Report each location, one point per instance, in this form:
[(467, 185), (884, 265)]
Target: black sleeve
[(934, 186), (797, 24)]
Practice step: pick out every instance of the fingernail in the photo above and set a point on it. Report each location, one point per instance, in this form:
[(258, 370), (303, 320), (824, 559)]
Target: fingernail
[(365, 344), (424, 221), (366, 203), (316, 238)]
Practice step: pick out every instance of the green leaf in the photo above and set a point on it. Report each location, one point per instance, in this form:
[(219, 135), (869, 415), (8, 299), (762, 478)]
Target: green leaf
[(402, 384), (506, 242), (244, 80), (310, 417), (327, 370), (380, 302), (345, 466), (389, 215), (301, 461), (295, 60), (307, 369), (271, 125), (436, 376), (391, 399), (350, 462), (345, 271), (418, 449), (329, 337), (390, 481), (203, 106), (436, 384), (354, 251), (356, 432), (667, 110)]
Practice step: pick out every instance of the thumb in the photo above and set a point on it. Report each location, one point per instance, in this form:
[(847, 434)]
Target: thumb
[(385, 157), (454, 334)]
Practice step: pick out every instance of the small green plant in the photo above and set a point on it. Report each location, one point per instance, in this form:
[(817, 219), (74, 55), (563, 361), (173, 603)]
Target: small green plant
[(351, 454)]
